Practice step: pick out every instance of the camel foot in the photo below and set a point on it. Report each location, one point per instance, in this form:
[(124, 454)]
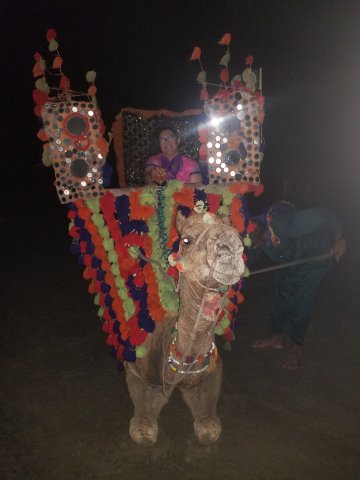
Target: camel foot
[(275, 341), (143, 430), (293, 360), (207, 429)]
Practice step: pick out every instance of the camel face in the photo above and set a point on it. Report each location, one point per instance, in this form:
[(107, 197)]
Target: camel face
[(212, 249)]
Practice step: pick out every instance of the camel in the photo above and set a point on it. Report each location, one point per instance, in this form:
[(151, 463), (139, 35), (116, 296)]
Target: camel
[(182, 351)]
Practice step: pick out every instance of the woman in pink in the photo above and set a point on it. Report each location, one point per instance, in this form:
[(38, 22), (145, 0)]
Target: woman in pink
[(170, 164)]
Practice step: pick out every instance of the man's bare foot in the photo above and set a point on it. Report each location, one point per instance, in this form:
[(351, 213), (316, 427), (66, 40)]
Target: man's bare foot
[(293, 360), (275, 341)]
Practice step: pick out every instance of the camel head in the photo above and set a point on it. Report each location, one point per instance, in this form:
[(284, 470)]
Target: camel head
[(210, 249)]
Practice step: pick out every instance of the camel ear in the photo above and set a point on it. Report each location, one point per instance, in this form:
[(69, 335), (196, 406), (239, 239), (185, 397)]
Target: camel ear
[(225, 220), (180, 221)]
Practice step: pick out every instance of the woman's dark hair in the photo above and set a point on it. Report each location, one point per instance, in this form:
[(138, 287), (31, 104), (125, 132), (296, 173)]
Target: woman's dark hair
[(172, 130)]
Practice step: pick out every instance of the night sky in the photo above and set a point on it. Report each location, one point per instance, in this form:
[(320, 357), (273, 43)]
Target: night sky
[(309, 52)]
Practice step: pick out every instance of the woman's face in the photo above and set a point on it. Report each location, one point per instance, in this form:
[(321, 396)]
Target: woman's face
[(168, 143)]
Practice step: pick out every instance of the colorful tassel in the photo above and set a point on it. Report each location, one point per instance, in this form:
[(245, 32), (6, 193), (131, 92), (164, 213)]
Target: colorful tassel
[(225, 39), (196, 54), (224, 75)]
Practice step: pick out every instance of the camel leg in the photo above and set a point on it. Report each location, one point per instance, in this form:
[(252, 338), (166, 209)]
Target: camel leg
[(148, 402), (202, 400)]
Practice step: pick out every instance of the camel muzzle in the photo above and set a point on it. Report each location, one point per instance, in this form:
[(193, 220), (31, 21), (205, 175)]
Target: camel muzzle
[(226, 260)]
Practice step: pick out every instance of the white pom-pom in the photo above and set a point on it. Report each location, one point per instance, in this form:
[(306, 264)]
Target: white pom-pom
[(90, 76)]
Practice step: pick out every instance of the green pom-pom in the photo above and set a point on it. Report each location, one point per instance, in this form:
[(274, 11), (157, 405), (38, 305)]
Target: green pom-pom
[(219, 330), (225, 322), (133, 251), (140, 351), (42, 85), (108, 244), (93, 204), (104, 231), (101, 311), (147, 197), (115, 270), (53, 45), (129, 308), (246, 273), (119, 282), (98, 219), (223, 211), (227, 197), (247, 241), (112, 256), (97, 299), (90, 76)]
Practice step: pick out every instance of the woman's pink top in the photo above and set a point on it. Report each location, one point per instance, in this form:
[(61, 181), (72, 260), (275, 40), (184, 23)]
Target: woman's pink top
[(179, 168)]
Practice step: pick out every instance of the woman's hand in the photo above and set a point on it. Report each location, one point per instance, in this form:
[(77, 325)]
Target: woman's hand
[(158, 175)]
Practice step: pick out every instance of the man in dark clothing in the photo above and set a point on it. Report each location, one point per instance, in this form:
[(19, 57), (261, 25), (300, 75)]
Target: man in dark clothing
[(286, 235)]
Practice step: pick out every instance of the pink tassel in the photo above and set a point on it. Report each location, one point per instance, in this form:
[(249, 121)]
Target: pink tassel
[(224, 75), (204, 94), (249, 60), (196, 54), (225, 39)]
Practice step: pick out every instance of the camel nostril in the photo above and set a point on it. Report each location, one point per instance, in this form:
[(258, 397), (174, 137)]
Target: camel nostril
[(224, 253)]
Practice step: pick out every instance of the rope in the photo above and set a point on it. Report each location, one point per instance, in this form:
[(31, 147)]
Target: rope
[(293, 263)]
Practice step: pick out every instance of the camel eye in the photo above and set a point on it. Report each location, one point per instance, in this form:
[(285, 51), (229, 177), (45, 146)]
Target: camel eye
[(186, 241)]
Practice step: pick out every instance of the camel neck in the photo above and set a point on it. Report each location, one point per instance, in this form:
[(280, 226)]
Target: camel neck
[(195, 331)]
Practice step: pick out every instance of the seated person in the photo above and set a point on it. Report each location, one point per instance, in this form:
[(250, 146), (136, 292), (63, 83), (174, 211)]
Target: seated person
[(170, 164)]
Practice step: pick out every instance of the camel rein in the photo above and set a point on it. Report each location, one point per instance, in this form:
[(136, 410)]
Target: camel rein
[(293, 263)]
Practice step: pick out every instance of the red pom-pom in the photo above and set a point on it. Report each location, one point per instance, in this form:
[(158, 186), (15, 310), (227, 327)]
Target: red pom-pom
[(173, 272), (249, 60), (39, 97), (229, 334), (50, 34), (37, 111), (120, 352), (224, 75), (74, 232), (92, 90), (214, 202), (139, 280), (37, 57), (251, 227), (64, 83)]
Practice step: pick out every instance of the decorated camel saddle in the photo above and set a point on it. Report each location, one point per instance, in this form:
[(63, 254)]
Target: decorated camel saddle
[(164, 263)]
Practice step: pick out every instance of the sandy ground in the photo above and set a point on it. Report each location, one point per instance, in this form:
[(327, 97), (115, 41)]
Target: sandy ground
[(65, 409)]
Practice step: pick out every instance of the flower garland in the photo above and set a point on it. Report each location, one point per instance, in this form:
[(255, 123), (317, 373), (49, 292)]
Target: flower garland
[(132, 294)]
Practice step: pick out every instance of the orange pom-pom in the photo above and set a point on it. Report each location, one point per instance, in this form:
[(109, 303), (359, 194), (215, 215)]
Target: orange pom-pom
[(92, 90), (39, 69), (196, 54), (41, 135), (225, 39), (57, 62), (103, 146)]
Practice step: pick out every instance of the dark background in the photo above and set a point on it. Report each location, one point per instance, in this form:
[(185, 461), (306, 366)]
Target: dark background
[(64, 412), (140, 50)]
